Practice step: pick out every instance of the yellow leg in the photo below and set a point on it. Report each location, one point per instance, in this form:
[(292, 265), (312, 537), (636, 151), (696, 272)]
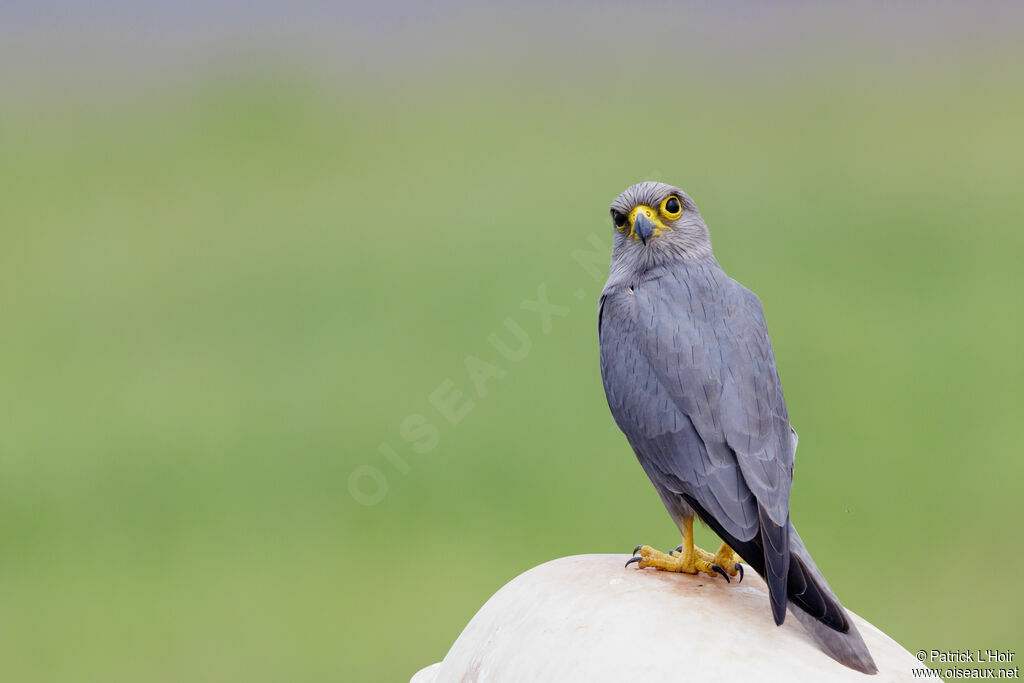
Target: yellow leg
[(688, 558)]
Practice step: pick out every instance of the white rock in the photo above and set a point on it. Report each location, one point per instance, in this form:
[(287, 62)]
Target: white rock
[(587, 618)]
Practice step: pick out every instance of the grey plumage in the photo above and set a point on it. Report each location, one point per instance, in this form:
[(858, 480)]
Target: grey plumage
[(691, 380)]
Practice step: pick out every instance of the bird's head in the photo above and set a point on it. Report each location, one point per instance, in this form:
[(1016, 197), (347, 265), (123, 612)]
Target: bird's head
[(654, 221)]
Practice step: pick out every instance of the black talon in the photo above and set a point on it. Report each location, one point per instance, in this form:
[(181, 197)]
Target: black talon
[(739, 568), (722, 572), (679, 548), (637, 548), (632, 560)]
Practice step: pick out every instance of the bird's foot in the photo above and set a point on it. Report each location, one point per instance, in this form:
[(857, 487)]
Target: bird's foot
[(678, 560), (727, 563)]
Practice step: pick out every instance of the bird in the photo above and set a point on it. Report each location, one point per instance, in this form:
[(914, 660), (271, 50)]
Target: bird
[(691, 380)]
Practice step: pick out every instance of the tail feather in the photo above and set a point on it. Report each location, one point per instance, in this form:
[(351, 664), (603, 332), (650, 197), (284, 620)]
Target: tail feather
[(844, 646), (815, 605), (805, 591)]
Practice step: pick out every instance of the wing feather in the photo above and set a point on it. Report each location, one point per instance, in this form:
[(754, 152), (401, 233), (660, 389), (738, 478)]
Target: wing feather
[(691, 379)]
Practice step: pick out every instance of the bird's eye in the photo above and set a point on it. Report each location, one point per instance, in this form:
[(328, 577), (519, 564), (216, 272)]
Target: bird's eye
[(619, 218), (672, 208)]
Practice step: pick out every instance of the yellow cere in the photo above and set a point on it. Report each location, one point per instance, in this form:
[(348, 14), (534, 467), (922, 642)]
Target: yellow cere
[(653, 216)]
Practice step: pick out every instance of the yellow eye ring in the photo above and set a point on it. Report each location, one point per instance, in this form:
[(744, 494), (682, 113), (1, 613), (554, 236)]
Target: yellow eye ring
[(619, 219), (672, 202)]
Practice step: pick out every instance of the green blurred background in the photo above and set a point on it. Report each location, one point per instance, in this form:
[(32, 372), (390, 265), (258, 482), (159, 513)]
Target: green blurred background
[(238, 250)]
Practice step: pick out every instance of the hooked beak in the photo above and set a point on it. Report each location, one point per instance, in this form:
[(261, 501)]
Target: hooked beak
[(643, 227)]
